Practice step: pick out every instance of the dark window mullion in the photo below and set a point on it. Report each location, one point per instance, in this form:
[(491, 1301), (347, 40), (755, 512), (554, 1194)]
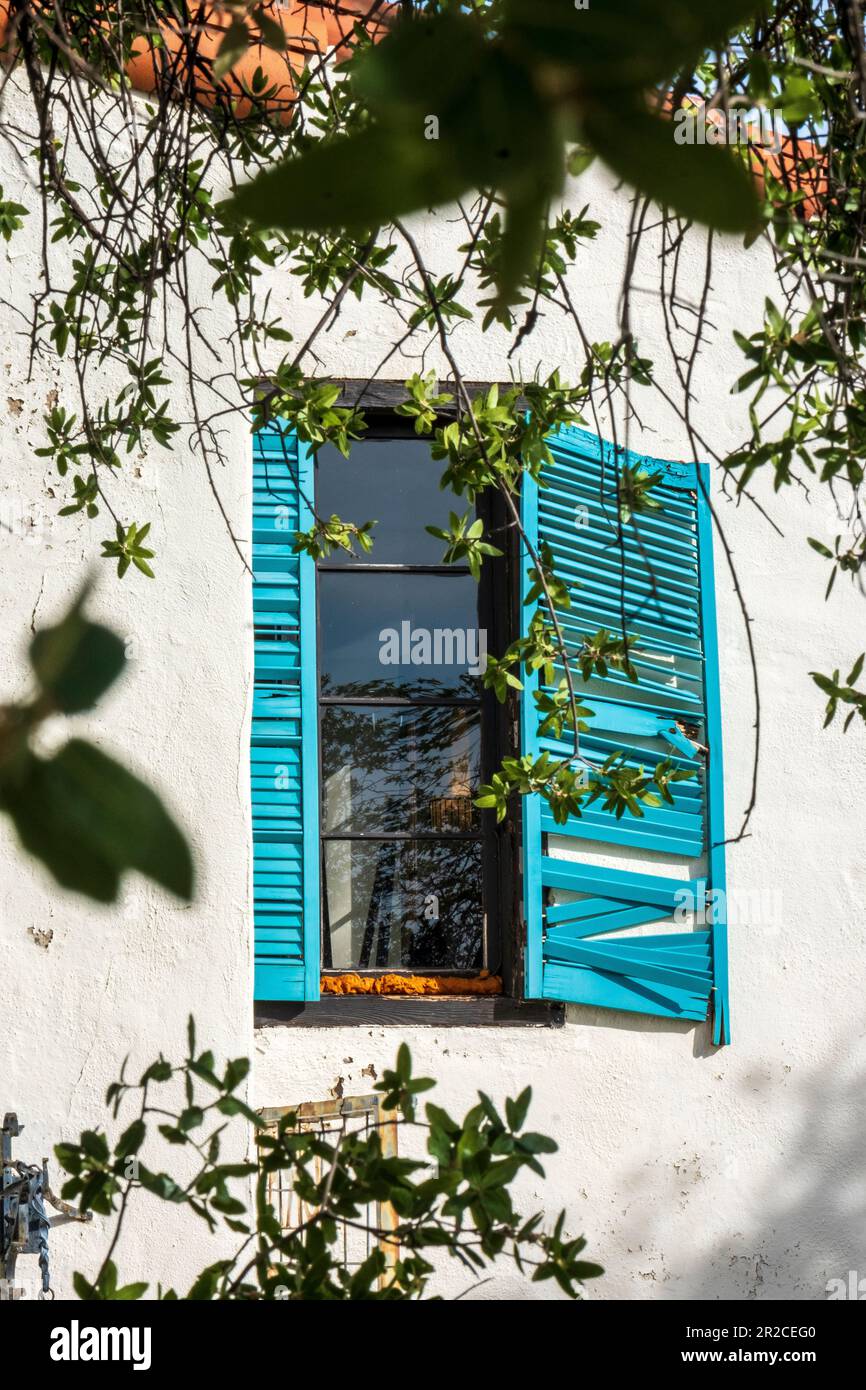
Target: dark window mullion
[(367, 567), (435, 836), (403, 701)]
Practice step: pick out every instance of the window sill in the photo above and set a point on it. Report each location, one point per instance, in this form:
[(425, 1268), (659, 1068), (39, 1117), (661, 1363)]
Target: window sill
[(347, 1011)]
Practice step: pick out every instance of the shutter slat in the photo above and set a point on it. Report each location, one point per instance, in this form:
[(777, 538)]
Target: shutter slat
[(566, 927), (593, 577), (594, 948), (607, 559), (588, 617), (655, 529), (654, 841), (557, 523)]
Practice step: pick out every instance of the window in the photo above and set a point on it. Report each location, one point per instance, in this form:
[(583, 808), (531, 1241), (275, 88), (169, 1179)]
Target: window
[(331, 1120), (408, 862), (371, 732)]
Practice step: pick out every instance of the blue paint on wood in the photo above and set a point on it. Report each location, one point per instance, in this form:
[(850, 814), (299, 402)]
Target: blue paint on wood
[(284, 734), (531, 805), (309, 734), (716, 790), (577, 950)]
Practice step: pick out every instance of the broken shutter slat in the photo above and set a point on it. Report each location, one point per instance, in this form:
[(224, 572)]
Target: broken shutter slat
[(586, 924), (283, 741)]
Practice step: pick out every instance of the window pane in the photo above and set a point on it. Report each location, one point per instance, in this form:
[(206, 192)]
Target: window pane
[(399, 634), (410, 771), (394, 482), (409, 904)]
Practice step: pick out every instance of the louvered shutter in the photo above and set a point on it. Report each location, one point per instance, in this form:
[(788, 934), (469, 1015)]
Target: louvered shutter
[(284, 738), (587, 908)]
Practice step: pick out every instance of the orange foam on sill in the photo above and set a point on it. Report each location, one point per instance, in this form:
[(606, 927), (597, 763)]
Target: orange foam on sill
[(353, 983)]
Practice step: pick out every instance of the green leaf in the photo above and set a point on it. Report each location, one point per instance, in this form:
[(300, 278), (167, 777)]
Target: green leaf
[(234, 45), (129, 1292), (353, 183), (206, 1284), (428, 62), (621, 44), (236, 1072), (820, 547), (83, 1288), (203, 1067), (95, 1145), (230, 1105), (88, 819), (76, 661), (173, 1133), (516, 1110), (521, 241), (824, 682), (579, 160), (404, 1062), (495, 129), (131, 1139), (537, 1144), (701, 182), (157, 1071), (273, 34)]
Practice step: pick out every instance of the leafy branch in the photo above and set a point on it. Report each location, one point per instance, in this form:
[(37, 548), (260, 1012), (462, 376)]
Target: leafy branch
[(457, 1203), (844, 692)]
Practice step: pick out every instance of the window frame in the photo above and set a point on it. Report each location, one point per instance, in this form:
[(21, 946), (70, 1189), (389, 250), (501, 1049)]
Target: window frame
[(384, 423), (353, 1114)]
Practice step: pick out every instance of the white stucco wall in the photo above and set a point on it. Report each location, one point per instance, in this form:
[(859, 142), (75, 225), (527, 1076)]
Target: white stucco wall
[(694, 1172)]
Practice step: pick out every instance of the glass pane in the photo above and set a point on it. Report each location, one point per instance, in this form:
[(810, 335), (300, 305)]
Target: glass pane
[(409, 904), (395, 483), (399, 634), (413, 771)]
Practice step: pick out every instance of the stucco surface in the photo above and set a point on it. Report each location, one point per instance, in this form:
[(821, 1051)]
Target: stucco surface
[(694, 1172)]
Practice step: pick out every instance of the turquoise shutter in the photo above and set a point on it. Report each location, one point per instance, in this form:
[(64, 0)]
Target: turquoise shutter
[(585, 922), (284, 738)]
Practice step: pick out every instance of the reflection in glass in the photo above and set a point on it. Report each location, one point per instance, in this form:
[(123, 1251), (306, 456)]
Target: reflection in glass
[(398, 769), (393, 482), (399, 634), (410, 904)]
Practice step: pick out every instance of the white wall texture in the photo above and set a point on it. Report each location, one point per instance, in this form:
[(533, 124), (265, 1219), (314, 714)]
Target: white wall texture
[(694, 1172)]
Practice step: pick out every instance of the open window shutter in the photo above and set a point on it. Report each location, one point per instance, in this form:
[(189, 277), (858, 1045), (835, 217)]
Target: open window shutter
[(284, 740), (586, 922)]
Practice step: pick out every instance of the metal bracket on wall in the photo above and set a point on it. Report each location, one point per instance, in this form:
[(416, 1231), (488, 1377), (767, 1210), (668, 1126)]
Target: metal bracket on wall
[(24, 1224)]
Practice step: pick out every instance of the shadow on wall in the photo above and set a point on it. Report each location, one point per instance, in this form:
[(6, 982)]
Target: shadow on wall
[(777, 1207), (752, 1185)]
